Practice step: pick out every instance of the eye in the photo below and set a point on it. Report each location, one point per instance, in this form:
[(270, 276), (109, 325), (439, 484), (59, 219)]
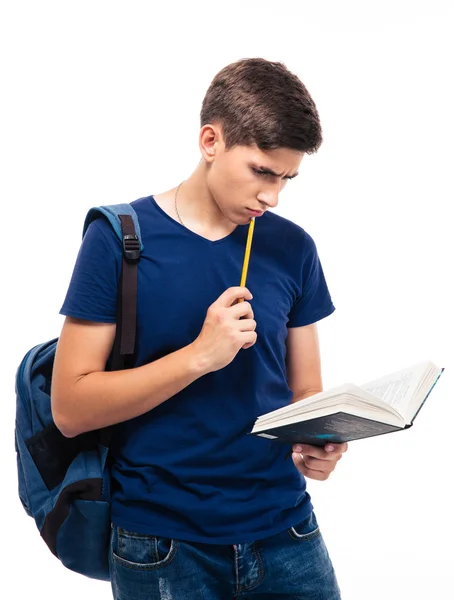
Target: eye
[(260, 172), (266, 174)]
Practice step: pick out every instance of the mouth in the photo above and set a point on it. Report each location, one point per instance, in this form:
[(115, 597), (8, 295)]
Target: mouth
[(255, 213)]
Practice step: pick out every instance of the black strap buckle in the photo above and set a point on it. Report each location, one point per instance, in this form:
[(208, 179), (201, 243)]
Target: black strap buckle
[(131, 247)]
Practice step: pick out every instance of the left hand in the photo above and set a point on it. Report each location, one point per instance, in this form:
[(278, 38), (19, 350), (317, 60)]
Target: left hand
[(316, 462)]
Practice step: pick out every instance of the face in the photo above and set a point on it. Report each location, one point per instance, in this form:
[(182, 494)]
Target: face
[(246, 179)]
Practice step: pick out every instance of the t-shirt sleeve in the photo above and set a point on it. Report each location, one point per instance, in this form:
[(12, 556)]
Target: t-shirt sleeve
[(92, 292), (314, 302)]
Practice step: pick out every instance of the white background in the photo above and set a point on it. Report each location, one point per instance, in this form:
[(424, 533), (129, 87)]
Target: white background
[(100, 104)]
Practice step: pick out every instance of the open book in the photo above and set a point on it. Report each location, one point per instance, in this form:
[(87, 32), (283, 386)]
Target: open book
[(351, 412)]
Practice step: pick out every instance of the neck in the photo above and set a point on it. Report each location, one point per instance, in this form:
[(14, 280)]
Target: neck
[(197, 207)]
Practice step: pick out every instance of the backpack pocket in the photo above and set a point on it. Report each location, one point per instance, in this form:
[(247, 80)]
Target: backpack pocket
[(83, 540)]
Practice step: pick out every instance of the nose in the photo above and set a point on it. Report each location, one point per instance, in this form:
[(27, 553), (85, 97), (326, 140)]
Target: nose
[(270, 198)]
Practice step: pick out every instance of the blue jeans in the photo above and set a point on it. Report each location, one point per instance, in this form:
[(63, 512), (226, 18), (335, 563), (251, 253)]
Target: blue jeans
[(293, 564)]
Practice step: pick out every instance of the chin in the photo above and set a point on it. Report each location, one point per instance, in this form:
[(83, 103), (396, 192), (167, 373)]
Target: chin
[(237, 219), (241, 220)]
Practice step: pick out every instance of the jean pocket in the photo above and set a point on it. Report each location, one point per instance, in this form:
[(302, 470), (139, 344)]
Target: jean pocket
[(142, 551), (306, 530)]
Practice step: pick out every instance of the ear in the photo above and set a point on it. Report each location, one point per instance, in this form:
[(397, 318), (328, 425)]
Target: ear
[(209, 140)]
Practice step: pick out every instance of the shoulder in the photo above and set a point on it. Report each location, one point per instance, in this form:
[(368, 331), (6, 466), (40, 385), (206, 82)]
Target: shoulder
[(290, 235), (100, 233), (144, 207), (102, 230)]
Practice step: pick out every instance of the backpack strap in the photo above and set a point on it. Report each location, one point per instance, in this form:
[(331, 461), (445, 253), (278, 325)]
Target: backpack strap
[(112, 212), (125, 223)]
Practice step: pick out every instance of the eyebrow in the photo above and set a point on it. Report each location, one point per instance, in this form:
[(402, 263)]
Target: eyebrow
[(268, 171)]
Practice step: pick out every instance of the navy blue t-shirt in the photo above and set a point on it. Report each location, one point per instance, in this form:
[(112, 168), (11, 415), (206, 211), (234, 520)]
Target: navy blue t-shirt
[(187, 469)]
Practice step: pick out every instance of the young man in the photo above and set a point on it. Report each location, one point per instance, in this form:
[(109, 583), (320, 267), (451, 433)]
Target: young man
[(199, 508)]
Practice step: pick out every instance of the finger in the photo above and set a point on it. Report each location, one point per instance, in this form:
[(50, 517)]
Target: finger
[(242, 310), (313, 464), (300, 464), (246, 325), (250, 338), (338, 448), (316, 464), (315, 451), (232, 294)]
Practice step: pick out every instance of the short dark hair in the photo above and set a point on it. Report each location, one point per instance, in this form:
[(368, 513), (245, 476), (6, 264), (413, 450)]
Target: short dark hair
[(256, 101)]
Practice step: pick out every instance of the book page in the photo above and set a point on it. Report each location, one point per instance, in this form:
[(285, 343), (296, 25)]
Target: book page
[(397, 389), (348, 392), (342, 410), (399, 393), (296, 406)]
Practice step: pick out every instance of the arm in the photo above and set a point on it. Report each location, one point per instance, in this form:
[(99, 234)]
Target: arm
[(84, 397), (304, 379), (303, 361)]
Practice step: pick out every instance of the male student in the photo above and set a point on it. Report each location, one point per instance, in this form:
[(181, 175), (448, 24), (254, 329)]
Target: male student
[(201, 509)]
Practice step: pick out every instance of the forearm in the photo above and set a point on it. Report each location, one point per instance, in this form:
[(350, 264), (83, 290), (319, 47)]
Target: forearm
[(306, 394), (104, 398)]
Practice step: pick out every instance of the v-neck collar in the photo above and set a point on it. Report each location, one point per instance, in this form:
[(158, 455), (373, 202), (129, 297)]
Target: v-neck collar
[(237, 229)]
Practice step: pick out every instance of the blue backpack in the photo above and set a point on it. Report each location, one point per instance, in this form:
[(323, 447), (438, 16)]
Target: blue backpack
[(64, 483)]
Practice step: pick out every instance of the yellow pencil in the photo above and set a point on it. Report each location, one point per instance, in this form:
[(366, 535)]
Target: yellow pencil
[(247, 254)]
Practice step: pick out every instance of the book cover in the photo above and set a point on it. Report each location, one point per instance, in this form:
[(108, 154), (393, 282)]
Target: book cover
[(337, 428)]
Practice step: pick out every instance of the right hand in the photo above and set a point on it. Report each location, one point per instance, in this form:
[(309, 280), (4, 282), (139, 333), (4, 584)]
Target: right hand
[(224, 332)]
